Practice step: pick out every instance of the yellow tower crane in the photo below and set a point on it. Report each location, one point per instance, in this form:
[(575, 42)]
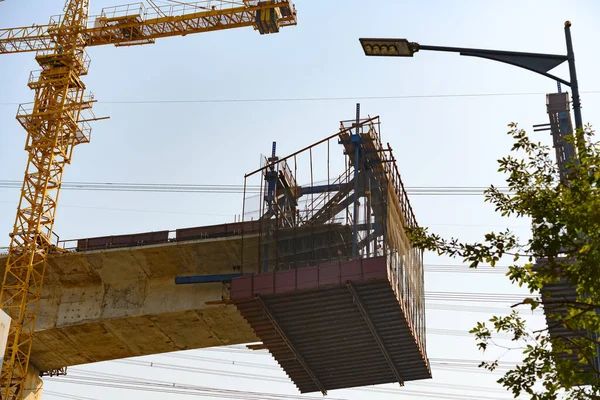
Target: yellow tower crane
[(58, 120)]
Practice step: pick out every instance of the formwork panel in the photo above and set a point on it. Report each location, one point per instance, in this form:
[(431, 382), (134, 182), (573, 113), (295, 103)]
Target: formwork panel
[(310, 320), (567, 292)]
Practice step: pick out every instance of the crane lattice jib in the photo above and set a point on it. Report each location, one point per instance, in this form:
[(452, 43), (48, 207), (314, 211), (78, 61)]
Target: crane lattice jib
[(58, 120), (135, 24)]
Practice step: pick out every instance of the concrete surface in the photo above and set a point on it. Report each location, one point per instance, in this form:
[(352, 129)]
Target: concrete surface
[(109, 304), (4, 325), (33, 385)]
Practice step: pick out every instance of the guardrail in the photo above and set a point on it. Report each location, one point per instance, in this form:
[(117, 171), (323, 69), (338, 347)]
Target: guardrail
[(158, 237)]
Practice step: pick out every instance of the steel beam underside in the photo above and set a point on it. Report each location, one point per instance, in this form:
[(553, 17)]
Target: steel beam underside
[(336, 340)]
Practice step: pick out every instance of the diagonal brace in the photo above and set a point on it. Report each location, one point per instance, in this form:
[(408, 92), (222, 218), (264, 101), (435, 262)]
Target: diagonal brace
[(376, 336), (289, 344)]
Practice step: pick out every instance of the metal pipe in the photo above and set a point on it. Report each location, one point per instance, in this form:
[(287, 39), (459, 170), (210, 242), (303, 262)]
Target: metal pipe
[(492, 52), (539, 63), (368, 217), (312, 145), (183, 280), (336, 187), (312, 211), (271, 182), (573, 78), (356, 141), (355, 216), (243, 230)]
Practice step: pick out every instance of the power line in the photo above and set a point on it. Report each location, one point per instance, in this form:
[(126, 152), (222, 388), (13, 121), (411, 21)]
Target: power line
[(126, 382), (427, 384), (119, 381), (464, 268), (157, 386), (237, 189), (243, 349), (474, 297), (153, 211), (309, 99), (65, 395)]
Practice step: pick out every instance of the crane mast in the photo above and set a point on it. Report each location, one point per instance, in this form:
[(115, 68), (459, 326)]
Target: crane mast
[(58, 120), (54, 125)]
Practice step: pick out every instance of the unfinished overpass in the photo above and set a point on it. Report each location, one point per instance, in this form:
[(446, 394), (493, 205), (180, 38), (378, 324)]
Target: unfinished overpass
[(321, 273)]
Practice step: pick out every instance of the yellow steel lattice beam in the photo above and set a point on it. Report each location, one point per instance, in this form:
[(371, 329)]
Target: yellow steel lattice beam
[(133, 24)]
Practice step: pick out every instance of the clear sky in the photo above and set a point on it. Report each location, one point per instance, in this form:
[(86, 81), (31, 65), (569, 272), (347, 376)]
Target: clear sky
[(438, 141)]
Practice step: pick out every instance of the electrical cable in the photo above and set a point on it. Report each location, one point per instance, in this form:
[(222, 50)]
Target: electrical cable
[(65, 395), (125, 382), (248, 352), (478, 309), (101, 379), (309, 99), (236, 189)]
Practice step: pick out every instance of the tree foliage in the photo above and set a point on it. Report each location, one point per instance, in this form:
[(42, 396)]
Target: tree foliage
[(564, 247)]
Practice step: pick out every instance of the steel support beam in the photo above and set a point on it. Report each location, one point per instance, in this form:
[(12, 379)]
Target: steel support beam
[(334, 205), (321, 188), (376, 336), (289, 344), (183, 280)]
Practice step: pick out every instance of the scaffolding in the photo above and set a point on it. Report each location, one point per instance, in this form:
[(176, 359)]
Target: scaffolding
[(352, 206), (560, 127)]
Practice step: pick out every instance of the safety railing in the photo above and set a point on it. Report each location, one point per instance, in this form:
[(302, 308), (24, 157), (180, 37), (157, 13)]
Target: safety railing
[(394, 176), (406, 275), (389, 165), (184, 8), (120, 11), (56, 20), (204, 232), (144, 13), (287, 174)]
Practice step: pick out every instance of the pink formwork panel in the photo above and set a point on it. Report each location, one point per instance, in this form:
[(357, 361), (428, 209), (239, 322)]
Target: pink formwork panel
[(329, 274), (307, 278), (353, 271), (285, 281), (263, 283), (242, 287), (374, 268)]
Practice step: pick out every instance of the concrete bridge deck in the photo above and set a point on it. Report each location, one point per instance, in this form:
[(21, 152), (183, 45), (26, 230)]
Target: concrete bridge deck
[(107, 304)]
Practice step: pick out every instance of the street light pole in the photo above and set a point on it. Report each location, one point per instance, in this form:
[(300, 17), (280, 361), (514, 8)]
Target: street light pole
[(536, 62), (573, 77)]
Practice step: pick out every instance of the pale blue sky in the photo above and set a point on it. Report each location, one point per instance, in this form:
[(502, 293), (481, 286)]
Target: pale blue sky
[(453, 141)]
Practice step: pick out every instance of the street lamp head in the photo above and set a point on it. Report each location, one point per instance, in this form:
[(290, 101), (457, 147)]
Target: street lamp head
[(388, 47)]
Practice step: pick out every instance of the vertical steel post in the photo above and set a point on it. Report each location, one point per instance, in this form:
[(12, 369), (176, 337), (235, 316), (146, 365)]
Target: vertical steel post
[(330, 242), (578, 125), (573, 78), (368, 216), (243, 228), (312, 211), (271, 177), (356, 143)]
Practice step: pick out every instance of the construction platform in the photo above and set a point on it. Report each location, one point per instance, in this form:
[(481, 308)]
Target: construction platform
[(322, 273), (333, 326)]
